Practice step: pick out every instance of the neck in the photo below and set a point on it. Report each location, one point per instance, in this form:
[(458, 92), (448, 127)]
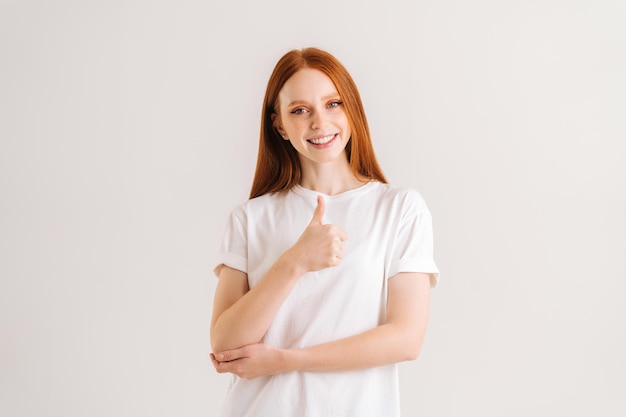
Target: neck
[(330, 179)]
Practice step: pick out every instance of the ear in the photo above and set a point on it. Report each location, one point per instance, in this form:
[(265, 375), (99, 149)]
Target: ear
[(278, 126)]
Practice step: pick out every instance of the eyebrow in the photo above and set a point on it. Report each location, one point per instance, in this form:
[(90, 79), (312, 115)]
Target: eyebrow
[(328, 97)]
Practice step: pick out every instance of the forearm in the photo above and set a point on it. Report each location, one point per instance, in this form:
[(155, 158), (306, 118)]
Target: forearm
[(399, 339), (246, 320), (388, 343), (241, 316), (383, 345)]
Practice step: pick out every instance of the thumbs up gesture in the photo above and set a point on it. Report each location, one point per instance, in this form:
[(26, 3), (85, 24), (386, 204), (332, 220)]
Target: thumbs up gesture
[(320, 245)]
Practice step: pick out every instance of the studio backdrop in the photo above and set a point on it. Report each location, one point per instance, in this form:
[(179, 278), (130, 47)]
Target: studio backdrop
[(129, 130)]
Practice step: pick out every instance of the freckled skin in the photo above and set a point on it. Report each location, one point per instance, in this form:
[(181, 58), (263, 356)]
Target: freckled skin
[(311, 109)]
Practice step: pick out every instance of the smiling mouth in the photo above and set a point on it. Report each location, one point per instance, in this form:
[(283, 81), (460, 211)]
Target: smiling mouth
[(322, 140)]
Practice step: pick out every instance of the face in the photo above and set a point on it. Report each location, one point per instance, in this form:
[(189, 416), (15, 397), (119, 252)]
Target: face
[(312, 117)]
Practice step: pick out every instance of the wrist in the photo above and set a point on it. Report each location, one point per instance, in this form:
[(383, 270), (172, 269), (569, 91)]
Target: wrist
[(291, 262), (295, 360)]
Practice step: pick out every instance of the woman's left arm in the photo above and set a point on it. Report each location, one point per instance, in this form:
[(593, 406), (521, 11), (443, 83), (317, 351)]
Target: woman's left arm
[(398, 339)]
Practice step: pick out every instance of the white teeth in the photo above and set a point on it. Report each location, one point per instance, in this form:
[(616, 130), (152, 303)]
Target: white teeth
[(321, 141)]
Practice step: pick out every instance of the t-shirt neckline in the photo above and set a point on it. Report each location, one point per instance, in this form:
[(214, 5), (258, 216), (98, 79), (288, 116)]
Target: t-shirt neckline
[(300, 190)]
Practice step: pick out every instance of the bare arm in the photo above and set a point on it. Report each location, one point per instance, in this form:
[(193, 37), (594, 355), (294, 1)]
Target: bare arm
[(398, 339), (241, 315)]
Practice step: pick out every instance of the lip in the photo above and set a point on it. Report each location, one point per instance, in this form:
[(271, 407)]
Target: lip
[(330, 141)]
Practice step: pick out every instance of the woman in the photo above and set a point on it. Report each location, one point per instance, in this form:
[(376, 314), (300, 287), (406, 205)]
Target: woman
[(325, 273)]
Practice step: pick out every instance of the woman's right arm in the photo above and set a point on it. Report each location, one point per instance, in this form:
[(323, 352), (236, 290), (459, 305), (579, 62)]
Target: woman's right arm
[(241, 315)]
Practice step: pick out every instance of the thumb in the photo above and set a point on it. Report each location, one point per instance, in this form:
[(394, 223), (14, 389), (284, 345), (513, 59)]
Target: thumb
[(318, 215)]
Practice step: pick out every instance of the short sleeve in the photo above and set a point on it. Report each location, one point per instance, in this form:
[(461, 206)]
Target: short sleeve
[(234, 247), (412, 249)]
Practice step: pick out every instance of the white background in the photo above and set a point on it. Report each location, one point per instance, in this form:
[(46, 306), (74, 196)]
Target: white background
[(129, 130)]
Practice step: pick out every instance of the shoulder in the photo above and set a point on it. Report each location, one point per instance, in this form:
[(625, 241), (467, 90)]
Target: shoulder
[(265, 200), (408, 198), (254, 206)]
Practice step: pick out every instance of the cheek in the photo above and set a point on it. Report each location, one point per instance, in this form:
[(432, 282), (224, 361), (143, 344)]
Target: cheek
[(344, 123), (294, 126)]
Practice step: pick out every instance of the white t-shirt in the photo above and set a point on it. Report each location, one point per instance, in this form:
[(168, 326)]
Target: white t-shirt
[(389, 231)]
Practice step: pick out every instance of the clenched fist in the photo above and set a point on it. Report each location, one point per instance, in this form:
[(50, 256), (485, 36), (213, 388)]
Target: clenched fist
[(320, 245)]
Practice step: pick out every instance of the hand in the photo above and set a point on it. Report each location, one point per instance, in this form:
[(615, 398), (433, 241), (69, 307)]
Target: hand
[(320, 245), (251, 361)]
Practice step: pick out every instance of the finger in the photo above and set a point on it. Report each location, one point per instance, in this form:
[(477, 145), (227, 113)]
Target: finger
[(339, 251), (318, 214), (343, 235), (230, 355), (216, 364), (224, 367), (224, 356)]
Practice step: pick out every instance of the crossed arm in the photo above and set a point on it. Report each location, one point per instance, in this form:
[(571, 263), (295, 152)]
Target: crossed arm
[(242, 316)]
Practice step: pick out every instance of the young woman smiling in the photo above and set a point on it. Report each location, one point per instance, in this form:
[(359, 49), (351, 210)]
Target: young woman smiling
[(325, 272)]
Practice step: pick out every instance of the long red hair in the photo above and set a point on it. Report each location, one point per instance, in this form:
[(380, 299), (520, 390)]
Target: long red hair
[(278, 165)]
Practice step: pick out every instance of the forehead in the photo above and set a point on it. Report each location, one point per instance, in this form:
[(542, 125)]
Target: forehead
[(307, 84)]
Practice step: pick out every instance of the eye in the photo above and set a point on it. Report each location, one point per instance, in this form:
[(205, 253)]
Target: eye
[(298, 110), (335, 103)]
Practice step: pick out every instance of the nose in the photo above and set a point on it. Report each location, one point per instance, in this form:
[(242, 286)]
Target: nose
[(317, 120)]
